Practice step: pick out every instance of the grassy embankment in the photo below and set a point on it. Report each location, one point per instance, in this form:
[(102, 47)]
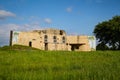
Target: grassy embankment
[(28, 64)]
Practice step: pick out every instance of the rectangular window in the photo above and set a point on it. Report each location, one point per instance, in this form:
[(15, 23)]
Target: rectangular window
[(63, 39), (61, 32), (45, 38), (54, 39)]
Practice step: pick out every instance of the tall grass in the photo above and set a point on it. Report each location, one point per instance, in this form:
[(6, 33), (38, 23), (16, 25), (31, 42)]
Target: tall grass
[(59, 65)]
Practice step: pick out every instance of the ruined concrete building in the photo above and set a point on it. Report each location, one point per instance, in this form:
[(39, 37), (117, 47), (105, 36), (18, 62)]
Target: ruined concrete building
[(53, 39)]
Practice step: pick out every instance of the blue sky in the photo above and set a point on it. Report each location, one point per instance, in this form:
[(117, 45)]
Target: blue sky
[(75, 16)]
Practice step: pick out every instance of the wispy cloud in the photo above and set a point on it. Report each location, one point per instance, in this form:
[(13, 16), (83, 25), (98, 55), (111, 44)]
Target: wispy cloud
[(5, 14), (48, 20), (5, 30), (69, 9)]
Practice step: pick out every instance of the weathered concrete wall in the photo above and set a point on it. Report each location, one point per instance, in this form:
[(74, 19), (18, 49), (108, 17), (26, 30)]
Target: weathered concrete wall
[(79, 41), (52, 39)]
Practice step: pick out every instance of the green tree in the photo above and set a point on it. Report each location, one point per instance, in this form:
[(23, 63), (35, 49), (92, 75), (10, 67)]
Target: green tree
[(108, 32), (102, 46)]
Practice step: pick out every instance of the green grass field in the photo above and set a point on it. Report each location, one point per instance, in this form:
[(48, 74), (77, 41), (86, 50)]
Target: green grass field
[(28, 64)]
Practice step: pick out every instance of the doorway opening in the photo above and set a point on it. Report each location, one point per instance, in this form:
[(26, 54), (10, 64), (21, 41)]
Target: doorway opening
[(46, 46), (75, 47), (30, 44)]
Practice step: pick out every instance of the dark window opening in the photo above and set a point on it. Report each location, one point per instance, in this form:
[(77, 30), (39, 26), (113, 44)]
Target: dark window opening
[(63, 39), (74, 47), (45, 38), (77, 47), (61, 32), (33, 39), (54, 39), (30, 44)]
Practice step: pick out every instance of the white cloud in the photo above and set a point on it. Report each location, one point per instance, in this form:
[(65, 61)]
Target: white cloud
[(69, 9), (48, 20), (34, 18), (5, 14), (4, 33), (28, 27), (5, 30)]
